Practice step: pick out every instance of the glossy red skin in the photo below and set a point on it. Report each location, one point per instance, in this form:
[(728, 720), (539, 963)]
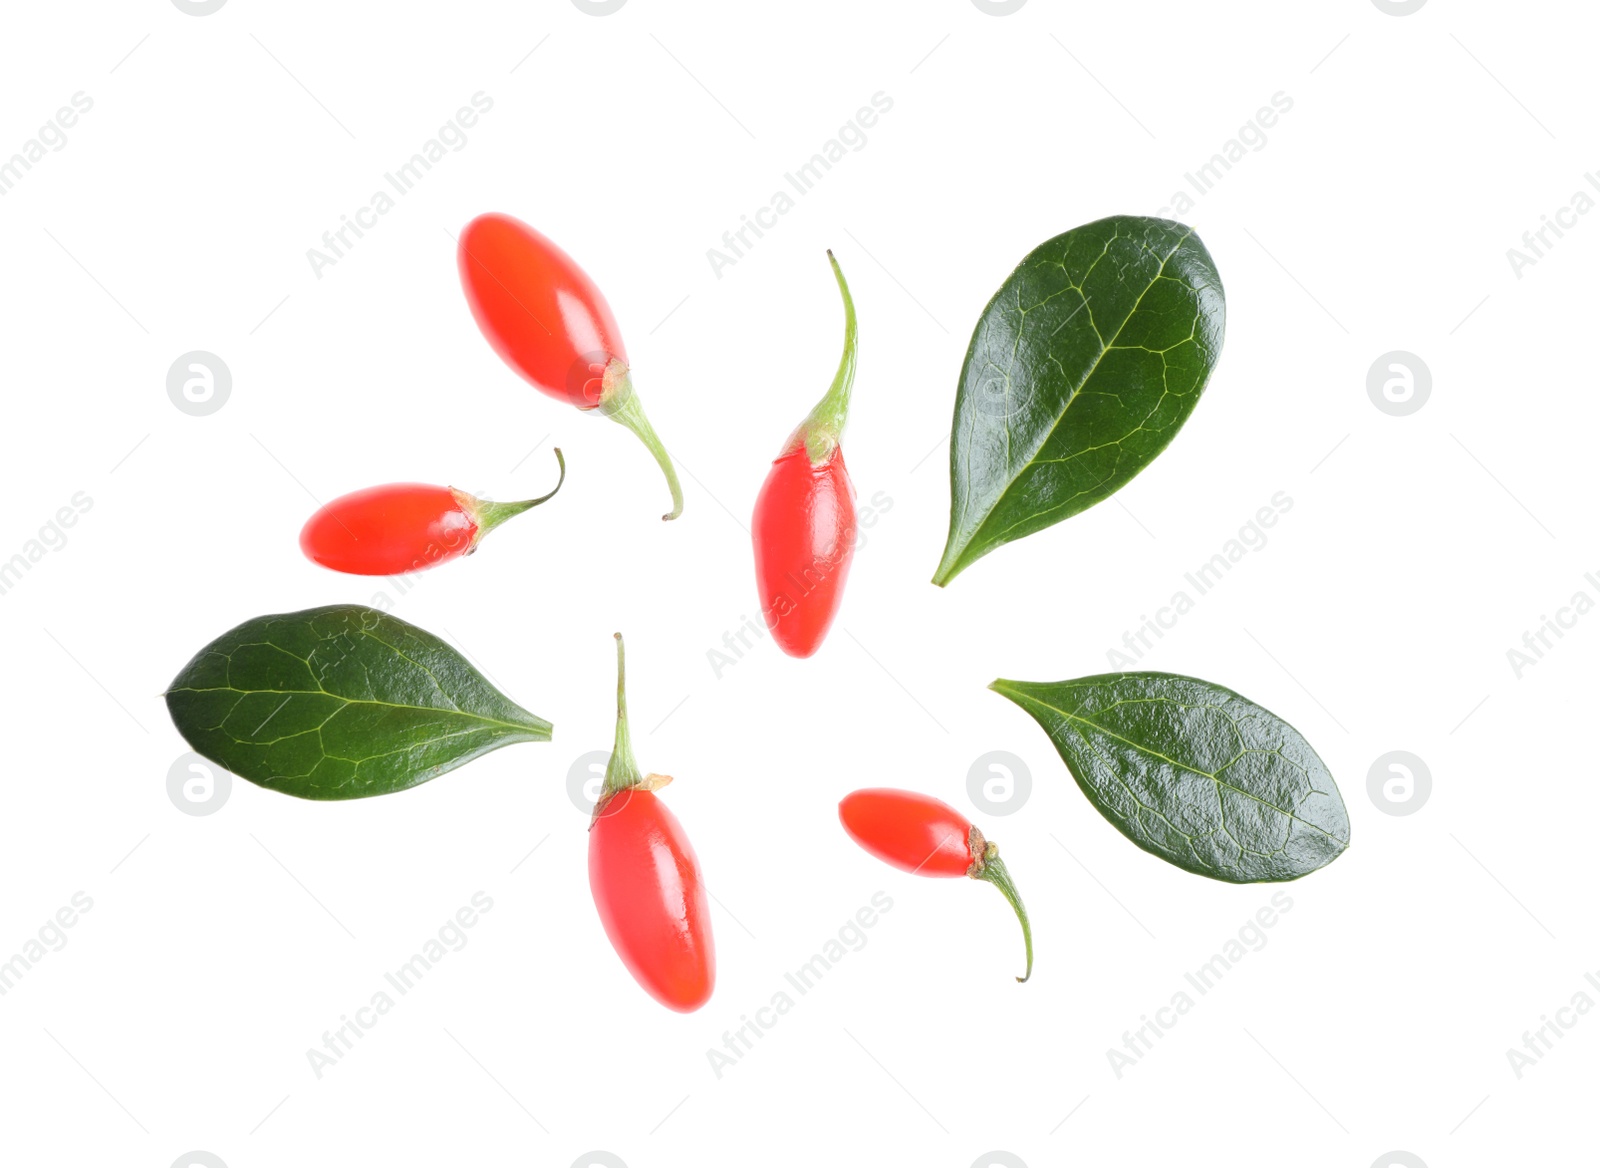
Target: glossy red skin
[(804, 531), (646, 884), (384, 531), (538, 308), (916, 833)]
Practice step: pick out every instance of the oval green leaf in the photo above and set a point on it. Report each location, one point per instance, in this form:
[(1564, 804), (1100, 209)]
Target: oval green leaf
[(340, 702), (1193, 773), (1081, 370)]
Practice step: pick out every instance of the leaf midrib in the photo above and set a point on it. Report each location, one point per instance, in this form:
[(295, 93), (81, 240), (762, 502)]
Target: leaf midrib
[(1199, 864), (1143, 749), (457, 712), (1105, 347)]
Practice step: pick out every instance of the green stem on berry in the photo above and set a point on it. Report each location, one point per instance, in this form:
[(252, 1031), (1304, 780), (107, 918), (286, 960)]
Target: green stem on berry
[(487, 515), (622, 772), (825, 423), (987, 866), (619, 403)]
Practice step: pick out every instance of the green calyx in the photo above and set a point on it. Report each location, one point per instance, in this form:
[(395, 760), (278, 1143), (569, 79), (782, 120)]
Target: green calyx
[(619, 403), (825, 423), (622, 772), (487, 515), (987, 866)]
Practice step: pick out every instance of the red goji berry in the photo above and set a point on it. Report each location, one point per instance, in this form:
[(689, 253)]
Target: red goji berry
[(405, 527), (804, 529), (548, 321), (921, 835), (646, 880)]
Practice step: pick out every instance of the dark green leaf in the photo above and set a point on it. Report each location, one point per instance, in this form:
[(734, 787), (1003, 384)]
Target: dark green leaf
[(339, 703), (1193, 773), (1081, 370)]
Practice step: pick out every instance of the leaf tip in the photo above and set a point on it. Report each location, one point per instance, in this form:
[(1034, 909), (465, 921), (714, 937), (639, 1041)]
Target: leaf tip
[(951, 564)]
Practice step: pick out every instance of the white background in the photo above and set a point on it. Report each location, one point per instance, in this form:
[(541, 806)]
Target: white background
[(1417, 552)]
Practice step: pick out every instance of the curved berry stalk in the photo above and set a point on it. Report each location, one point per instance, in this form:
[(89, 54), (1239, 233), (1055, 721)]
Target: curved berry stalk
[(921, 835), (804, 529), (646, 880), (547, 320), (405, 527)]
